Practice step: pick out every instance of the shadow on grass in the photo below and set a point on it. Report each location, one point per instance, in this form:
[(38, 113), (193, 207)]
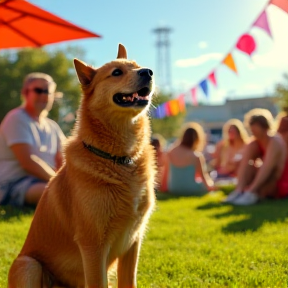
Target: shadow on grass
[(257, 215), (10, 212), (226, 189), (161, 196)]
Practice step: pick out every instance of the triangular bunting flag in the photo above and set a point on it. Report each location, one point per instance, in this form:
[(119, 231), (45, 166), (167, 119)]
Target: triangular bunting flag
[(262, 22), (160, 112), (194, 96), (282, 4), (246, 44), (174, 106), (212, 78), (204, 85), (181, 102), (167, 109), (229, 62)]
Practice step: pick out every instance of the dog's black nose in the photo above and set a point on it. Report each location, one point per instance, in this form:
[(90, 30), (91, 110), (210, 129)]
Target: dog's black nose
[(145, 72)]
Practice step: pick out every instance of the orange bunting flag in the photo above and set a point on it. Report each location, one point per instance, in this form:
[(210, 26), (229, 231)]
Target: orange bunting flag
[(181, 102), (212, 78), (173, 107), (282, 4), (229, 62)]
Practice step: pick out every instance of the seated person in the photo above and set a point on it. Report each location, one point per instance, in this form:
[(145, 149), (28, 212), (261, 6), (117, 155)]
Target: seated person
[(158, 142), (186, 161), (282, 183), (229, 151), (30, 144), (256, 182)]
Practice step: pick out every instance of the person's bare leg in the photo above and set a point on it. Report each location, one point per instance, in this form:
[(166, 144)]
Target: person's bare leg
[(269, 188), (34, 193), (247, 170)]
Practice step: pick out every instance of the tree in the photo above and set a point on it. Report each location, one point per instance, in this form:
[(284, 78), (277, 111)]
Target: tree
[(281, 93), (168, 127), (14, 66)]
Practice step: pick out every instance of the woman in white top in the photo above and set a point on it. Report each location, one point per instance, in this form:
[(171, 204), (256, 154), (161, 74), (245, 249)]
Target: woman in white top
[(229, 151)]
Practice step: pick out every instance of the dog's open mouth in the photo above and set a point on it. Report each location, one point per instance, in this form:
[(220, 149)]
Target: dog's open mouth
[(139, 98)]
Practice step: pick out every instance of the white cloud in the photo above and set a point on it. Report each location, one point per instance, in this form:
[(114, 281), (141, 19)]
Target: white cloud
[(221, 93), (251, 66), (198, 60), (183, 86), (252, 86), (202, 45)]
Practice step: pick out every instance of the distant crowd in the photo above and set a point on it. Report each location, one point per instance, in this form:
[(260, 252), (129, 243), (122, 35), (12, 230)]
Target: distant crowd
[(252, 156)]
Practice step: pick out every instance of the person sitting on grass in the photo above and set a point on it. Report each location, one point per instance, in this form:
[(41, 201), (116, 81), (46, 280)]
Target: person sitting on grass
[(258, 181), (158, 142), (282, 184), (229, 151), (186, 162), (30, 144)]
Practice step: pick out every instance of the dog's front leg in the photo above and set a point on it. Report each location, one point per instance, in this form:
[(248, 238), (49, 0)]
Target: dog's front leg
[(94, 260), (127, 266)]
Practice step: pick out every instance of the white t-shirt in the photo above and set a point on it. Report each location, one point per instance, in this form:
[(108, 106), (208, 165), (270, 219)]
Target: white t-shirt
[(45, 138)]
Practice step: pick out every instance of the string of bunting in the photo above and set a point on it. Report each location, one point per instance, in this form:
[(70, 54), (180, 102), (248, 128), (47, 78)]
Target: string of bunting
[(245, 43)]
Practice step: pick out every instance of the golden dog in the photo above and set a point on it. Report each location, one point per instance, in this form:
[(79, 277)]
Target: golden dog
[(94, 211)]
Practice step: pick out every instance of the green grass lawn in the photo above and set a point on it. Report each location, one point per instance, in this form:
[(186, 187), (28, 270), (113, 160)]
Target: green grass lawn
[(193, 242)]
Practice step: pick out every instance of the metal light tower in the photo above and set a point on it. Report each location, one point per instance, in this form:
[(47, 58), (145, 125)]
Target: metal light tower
[(163, 57)]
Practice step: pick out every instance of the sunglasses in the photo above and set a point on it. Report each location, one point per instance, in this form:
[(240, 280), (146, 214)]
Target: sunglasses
[(40, 91)]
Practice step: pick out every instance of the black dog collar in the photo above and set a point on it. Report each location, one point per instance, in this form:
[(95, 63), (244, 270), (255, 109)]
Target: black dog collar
[(123, 160)]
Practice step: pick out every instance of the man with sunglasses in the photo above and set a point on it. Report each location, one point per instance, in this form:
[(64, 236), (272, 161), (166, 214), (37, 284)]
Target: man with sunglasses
[(30, 144)]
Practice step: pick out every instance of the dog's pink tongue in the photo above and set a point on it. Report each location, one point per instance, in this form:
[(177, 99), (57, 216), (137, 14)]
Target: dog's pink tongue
[(135, 95)]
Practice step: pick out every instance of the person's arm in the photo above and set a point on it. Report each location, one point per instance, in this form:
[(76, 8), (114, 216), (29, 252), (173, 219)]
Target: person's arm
[(32, 163), (270, 161), (61, 140), (165, 173), (202, 171), (58, 160)]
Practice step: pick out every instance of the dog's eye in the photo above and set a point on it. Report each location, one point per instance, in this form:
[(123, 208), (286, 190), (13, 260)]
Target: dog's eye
[(117, 72)]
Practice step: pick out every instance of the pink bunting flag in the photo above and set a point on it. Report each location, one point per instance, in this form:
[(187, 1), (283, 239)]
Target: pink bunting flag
[(194, 96), (282, 4), (212, 78), (181, 102), (262, 22), (246, 44)]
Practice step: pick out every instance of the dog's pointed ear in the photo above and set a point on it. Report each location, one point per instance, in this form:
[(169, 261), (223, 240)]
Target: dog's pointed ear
[(84, 72), (122, 53)]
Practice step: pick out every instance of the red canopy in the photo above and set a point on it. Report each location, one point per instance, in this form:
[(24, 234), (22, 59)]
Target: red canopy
[(23, 24)]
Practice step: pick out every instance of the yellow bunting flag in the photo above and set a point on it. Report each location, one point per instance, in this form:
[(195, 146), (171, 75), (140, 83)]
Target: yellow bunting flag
[(229, 62), (174, 107)]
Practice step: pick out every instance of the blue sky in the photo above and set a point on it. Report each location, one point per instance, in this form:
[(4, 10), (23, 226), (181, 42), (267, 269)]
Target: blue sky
[(204, 31)]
